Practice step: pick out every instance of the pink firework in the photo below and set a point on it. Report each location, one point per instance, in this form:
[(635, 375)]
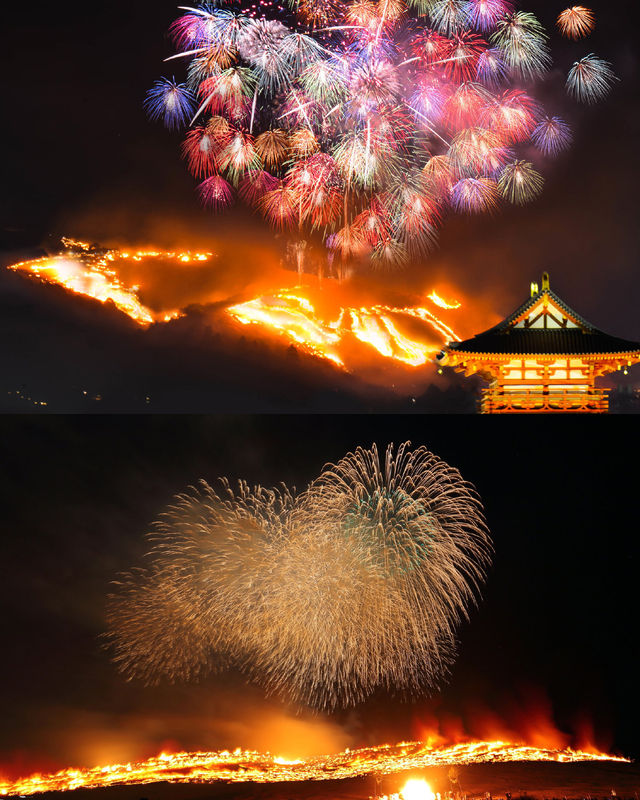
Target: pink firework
[(255, 184), (484, 14), (460, 55), (463, 108), (360, 122), (216, 193), (512, 116), (428, 47), (199, 149)]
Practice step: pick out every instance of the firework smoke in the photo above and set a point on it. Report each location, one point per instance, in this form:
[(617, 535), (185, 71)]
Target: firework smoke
[(357, 583)]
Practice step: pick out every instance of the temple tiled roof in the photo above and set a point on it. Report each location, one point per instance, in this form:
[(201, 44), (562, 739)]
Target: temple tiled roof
[(505, 338), (545, 341), (530, 303)]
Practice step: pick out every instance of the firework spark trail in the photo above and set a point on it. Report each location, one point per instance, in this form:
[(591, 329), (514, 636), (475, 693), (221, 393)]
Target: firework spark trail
[(590, 79), (358, 582), (576, 22), (520, 182), (209, 553), (418, 533), (551, 135), (327, 119), (249, 766)]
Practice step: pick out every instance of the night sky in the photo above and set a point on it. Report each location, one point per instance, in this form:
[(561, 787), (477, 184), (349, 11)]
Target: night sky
[(82, 159), (556, 633)]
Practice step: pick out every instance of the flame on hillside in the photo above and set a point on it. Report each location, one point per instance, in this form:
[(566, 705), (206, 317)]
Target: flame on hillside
[(84, 269), (247, 765), (344, 334), (380, 327)]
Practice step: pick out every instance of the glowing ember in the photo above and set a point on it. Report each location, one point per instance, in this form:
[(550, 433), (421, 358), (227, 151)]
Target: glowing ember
[(90, 271), (417, 789), (410, 335), (294, 316), (244, 766), (379, 327), (439, 301)]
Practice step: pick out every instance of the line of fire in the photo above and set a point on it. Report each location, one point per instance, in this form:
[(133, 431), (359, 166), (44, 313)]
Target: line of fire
[(543, 358), (242, 766)]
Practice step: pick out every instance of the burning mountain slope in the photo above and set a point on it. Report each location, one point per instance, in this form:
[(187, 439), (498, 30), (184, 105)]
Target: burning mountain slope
[(351, 335), (248, 766)]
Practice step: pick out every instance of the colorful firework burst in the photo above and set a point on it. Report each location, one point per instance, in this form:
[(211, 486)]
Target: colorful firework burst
[(590, 79), (361, 122), (520, 183), (551, 135), (576, 22)]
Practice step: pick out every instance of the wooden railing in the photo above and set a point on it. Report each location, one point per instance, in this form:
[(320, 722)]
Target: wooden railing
[(497, 401)]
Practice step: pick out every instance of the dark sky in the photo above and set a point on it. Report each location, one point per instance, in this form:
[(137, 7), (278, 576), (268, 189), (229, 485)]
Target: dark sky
[(555, 634)]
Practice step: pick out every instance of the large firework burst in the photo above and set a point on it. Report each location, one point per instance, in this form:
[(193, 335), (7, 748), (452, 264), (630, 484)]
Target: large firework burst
[(357, 583), (327, 119), (211, 550), (590, 79)]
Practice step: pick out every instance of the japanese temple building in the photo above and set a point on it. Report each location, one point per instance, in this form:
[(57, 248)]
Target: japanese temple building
[(542, 358)]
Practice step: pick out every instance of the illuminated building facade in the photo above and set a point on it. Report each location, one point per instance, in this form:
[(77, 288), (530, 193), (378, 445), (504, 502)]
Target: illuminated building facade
[(542, 358)]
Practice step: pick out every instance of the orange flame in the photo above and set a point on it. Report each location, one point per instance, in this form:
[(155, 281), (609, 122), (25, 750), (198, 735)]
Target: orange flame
[(409, 336), (439, 301), (380, 327), (246, 765), (84, 270)]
